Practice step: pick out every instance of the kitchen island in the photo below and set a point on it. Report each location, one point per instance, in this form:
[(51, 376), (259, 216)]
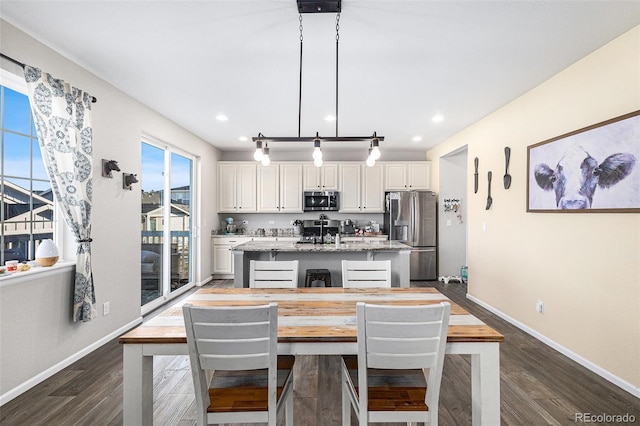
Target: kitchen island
[(322, 256)]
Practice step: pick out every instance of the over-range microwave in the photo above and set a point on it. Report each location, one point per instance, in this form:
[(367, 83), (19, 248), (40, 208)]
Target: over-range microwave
[(313, 201)]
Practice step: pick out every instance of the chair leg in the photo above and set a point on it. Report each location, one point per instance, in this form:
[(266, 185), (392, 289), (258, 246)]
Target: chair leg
[(288, 409), (346, 402)]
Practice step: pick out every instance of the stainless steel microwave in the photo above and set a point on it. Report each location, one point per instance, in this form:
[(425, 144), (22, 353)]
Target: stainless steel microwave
[(313, 201)]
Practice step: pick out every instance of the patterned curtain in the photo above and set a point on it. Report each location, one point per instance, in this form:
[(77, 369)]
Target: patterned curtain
[(62, 116)]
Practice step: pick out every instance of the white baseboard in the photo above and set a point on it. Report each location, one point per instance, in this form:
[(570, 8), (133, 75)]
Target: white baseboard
[(23, 387), (203, 282), (621, 383)]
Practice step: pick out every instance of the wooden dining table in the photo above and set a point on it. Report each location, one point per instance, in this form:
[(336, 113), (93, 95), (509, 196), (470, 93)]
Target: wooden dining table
[(311, 321)]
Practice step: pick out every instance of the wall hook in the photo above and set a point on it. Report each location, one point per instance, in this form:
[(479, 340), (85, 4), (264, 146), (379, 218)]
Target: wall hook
[(109, 166), (128, 179)]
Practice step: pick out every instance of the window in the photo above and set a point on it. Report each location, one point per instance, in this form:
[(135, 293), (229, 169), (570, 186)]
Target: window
[(27, 211)]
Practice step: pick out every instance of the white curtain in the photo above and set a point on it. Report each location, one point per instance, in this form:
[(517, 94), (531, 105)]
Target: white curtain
[(62, 116)]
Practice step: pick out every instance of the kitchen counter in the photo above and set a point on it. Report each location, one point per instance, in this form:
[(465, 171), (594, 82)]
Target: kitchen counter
[(322, 256), (287, 246)]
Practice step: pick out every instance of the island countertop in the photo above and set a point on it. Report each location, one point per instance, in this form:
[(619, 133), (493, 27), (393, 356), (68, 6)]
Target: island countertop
[(288, 246)]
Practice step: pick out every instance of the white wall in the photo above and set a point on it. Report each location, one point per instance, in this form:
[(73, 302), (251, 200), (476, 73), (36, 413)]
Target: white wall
[(36, 330), (584, 266)]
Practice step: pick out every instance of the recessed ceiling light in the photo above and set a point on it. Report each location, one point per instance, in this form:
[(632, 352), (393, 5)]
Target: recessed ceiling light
[(416, 138), (329, 118), (437, 118), (243, 138), (221, 117)]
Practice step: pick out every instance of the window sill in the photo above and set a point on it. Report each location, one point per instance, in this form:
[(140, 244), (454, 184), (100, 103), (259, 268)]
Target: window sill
[(36, 272)]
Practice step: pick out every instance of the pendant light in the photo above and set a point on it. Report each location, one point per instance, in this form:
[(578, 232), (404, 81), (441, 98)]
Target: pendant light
[(323, 6)]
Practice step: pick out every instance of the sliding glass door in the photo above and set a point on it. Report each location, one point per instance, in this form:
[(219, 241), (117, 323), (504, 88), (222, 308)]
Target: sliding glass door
[(166, 237)]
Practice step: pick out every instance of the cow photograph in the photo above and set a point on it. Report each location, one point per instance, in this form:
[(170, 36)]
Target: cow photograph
[(594, 169)]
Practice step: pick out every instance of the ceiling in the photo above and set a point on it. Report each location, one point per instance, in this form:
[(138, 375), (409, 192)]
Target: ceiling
[(401, 62)]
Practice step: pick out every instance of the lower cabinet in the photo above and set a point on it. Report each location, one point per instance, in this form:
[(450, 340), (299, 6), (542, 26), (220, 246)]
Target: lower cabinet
[(221, 253), (222, 250)]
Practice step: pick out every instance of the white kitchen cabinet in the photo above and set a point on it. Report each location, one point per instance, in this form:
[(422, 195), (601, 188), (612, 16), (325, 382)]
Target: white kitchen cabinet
[(401, 176), (323, 178), (280, 188), (372, 189), (291, 188), (269, 188), (237, 187), (221, 253), (350, 188), (361, 188)]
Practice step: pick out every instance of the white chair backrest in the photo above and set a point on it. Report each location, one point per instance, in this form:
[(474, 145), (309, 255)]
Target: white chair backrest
[(366, 273), (273, 274), (403, 337)]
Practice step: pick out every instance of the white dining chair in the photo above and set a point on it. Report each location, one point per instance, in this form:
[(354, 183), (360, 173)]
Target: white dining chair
[(366, 273), (273, 274), (397, 373), (237, 375)]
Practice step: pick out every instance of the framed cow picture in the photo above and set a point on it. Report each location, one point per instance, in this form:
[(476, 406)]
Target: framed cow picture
[(595, 169)]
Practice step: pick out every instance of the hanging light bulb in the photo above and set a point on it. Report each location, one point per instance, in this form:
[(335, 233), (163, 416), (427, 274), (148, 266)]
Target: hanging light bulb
[(370, 160), (317, 162), (258, 154), (265, 161), (375, 151), (317, 152)]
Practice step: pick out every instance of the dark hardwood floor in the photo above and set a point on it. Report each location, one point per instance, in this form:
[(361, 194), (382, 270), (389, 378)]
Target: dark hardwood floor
[(539, 386)]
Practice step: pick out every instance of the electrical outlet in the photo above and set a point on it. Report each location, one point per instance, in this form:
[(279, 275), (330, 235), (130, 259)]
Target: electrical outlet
[(540, 306), (272, 222), (105, 309)]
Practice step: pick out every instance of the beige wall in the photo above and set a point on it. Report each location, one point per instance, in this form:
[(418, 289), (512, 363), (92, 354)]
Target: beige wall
[(585, 267), (35, 316)]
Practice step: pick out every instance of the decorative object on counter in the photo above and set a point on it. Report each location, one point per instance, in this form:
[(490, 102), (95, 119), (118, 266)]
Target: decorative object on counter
[(489, 199), (507, 176), (11, 265), (261, 141), (604, 155), (47, 253), (109, 166), (23, 267), (475, 175), (128, 179)]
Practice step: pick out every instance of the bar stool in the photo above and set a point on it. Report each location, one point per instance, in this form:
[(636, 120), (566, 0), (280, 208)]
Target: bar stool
[(318, 275)]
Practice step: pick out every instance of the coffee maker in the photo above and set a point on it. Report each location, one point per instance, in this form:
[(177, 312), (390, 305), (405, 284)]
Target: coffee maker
[(347, 227)]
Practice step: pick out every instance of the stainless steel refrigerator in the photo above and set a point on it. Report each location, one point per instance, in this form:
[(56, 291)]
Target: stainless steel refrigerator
[(410, 217)]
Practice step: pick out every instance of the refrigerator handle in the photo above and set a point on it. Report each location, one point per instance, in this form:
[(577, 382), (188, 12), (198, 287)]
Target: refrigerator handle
[(413, 218)]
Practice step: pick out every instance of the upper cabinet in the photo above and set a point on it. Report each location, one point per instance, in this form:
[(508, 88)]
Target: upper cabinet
[(404, 176), (280, 188), (245, 186), (323, 178), (236, 187), (361, 188)]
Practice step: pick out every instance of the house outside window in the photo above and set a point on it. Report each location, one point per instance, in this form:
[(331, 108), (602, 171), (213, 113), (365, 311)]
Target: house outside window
[(27, 212)]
